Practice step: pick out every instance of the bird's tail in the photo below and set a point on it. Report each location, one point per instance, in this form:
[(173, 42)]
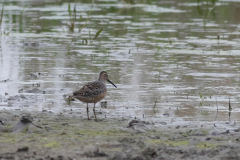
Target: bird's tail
[(69, 98)]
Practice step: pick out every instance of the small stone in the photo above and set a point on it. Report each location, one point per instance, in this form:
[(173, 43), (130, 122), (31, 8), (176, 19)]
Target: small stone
[(207, 139), (24, 149), (214, 133), (119, 156)]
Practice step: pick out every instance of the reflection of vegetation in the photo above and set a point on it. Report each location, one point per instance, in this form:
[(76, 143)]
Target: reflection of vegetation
[(207, 14), (208, 11), (6, 33), (128, 1), (1, 16), (1, 19)]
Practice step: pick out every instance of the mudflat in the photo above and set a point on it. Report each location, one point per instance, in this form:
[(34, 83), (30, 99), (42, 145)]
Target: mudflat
[(45, 135)]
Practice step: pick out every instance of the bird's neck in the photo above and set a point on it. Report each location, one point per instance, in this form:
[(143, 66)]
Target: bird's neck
[(101, 80)]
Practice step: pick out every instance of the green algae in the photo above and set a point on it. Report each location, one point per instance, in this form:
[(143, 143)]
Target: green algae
[(25, 129), (102, 133), (52, 144), (169, 143), (9, 137), (156, 141), (185, 134), (204, 145), (205, 131), (8, 128), (178, 143)]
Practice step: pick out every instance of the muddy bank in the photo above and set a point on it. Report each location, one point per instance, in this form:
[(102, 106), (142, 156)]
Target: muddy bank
[(44, 135)]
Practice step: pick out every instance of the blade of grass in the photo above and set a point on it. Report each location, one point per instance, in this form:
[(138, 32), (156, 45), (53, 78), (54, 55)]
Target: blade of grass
[(20, 17), (89, 32), (69, 10), (229, 110), (1, 16), (86, 22), (75, 13), (96, 35), (7, 33), (154, 107), (207, 14), (71, 26), (80, 18), (98, 32)]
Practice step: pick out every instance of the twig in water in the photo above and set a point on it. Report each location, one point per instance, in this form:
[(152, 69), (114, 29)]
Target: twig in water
[(36, 125), (154, 107), (229, 110), (217, 108)]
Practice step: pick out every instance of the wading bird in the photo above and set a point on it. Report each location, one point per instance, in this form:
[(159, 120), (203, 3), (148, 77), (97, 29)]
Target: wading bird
[(93, 92)]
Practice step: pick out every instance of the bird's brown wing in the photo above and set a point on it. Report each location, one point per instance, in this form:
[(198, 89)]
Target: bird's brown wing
[(91, 89)]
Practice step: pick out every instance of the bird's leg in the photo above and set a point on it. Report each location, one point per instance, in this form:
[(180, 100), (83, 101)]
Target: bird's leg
[(87, 112), (94, 112)]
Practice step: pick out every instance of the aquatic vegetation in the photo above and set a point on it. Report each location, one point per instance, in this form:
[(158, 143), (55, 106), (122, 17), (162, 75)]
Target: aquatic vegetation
[(72, 24), (229, 110), (73, 19), (229, 107), (154, 107), (208, 11), (202, 99), (158, 47), (170, 40), (1, 16), (128, 1), (96, 35), (1, 19), (217, 108), (207, 15)]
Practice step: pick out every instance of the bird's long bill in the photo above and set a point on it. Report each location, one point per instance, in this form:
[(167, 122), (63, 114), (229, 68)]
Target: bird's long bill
[(112, 83)]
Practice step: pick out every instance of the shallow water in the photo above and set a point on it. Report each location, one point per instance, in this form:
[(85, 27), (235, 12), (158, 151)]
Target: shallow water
[(173, 59)]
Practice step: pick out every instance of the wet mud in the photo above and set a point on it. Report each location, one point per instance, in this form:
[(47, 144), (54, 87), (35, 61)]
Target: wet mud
[(45, 135)]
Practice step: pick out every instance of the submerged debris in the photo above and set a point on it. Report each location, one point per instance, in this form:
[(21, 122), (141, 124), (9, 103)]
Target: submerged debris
[(140, 126)]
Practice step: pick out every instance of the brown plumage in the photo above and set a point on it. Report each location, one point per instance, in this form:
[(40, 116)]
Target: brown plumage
[(93, 92)]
